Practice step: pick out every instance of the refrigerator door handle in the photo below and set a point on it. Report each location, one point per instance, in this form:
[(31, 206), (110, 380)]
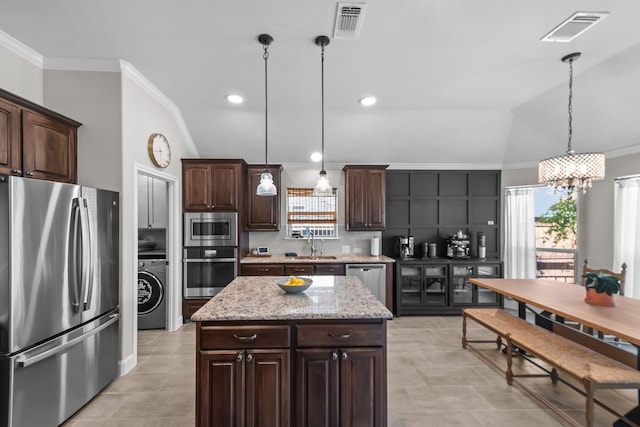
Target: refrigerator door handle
[(75, 281), (24, 361), (87, 259)]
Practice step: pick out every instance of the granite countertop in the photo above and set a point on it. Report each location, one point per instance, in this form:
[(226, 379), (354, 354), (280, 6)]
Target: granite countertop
[(319, 259), (260, 298)]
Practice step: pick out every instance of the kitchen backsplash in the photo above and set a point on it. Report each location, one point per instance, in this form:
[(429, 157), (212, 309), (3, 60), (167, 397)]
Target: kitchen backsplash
[(352, 242)]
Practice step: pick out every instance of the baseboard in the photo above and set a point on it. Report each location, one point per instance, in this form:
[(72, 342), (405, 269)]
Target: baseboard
[(127, 364)]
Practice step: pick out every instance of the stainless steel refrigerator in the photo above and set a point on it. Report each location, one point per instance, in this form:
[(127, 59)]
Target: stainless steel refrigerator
[(59, 295)]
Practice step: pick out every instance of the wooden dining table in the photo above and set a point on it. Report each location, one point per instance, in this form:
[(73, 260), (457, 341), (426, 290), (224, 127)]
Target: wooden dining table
[(567, 300)]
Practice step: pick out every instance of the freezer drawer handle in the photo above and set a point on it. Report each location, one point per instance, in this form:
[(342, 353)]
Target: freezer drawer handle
[(24, 362)]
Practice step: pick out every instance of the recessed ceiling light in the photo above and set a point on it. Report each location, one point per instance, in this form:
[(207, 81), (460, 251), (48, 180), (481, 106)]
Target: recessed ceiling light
[(235, 99), (368, 100), (316, 157)]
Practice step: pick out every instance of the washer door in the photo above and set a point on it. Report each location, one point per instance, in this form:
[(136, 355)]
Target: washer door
[(150, 292)]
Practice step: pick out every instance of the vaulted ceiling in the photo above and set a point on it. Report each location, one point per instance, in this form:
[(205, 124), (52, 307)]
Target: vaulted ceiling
[(459, 82)]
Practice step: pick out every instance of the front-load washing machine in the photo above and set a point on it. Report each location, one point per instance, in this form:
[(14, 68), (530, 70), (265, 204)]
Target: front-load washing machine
[(152, 299)]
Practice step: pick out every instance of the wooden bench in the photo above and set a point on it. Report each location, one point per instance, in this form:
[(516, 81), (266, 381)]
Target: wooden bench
[(592, 369)]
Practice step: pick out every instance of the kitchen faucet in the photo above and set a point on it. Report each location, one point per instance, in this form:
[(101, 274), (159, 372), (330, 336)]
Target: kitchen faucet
[(310, 237)]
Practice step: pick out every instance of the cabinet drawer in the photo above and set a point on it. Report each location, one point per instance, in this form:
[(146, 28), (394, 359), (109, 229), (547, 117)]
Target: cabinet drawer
[(298, 269), (233, 337), (330, 269), (261, 270), (339, 335)]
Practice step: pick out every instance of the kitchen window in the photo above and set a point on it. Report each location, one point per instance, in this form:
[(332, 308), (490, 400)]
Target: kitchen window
[(307, 214)]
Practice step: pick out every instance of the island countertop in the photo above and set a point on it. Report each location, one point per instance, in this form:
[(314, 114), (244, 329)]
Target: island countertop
[(260, 298)]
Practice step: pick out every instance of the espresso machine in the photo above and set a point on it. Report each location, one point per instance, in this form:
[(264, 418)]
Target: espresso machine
[(458, 245), (404, 246)]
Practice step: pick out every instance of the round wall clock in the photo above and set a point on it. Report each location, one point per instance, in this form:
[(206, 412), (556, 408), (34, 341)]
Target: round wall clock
[(159, 150)]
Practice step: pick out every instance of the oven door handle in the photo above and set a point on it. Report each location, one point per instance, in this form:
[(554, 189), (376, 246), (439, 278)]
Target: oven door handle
[(209, 260)]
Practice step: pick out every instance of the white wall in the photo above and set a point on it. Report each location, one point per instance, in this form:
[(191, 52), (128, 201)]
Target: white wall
[(306, 178), (18, 74), (595, 208)]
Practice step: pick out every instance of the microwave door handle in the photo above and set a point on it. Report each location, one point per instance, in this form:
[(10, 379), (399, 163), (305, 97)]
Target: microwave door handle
[(87, 267), (75, 262)]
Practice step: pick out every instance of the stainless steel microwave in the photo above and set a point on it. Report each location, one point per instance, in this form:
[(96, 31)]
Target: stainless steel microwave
[(211, 229)]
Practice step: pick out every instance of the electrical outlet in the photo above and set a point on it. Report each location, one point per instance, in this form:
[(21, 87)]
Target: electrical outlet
[(489, 222), (345, 249), (357, 250)]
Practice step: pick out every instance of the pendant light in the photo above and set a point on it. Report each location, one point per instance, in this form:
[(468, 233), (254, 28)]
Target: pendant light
[(322, 188), (266, 187), (571, 171)]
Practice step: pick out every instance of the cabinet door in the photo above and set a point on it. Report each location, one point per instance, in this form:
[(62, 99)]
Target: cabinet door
[(263, 211), (267, 388), (10, 144), (224, 179), (222, 389), (484, 295), (329, 270), (461, 287), (317, 385), (436, 288), (49, 148), (196, 182), (376, 199), (409, 286), (356, 198), (143, 201), (361, 387), (157, 203)]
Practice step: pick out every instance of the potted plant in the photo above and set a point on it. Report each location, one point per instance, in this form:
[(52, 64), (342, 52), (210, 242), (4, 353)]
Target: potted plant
[(600, 288)]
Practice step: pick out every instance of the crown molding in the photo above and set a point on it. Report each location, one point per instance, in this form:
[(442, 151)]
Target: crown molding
[(109, 65), (20, 49), (443, 166)]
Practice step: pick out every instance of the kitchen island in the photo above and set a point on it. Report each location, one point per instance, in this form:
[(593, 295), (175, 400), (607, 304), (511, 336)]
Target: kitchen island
[(317, 358)]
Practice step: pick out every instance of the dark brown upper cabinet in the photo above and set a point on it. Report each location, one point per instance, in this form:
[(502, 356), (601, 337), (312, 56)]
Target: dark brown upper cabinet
[(365, 197), (263, 212)]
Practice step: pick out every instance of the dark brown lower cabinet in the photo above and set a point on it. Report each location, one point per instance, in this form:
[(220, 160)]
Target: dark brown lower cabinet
[(302, 373), (340, 387), (244, 388)]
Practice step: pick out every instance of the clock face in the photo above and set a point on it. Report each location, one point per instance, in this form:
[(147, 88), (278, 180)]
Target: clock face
[(159, 150)]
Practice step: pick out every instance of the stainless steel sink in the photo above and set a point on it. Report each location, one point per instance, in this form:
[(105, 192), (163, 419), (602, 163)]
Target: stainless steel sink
[(314, 257)]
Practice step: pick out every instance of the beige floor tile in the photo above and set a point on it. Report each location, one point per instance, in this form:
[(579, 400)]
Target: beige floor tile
[(432, 381)]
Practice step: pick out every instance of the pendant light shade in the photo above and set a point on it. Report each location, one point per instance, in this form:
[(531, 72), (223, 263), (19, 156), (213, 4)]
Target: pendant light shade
[(266, 186), (322, 188), (571, 171)]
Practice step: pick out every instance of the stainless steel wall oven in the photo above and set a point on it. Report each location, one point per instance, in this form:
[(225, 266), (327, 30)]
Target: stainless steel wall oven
[(208, 270)]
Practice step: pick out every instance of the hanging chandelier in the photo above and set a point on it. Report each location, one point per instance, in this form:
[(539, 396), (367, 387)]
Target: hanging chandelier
[(266, 186), (322, 188), (572, 171)]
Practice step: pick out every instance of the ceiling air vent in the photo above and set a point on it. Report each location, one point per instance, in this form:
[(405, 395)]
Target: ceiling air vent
[(571, 28), (349, 17)]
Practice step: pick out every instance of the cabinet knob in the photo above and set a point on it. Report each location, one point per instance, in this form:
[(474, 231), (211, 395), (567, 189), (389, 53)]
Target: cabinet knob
[(29, 173), (249, 357), (344, 355), (334, 355), (239, 358), (16, 171)]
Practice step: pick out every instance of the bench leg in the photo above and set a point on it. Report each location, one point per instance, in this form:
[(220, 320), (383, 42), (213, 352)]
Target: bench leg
[(589, 404), (509, 372), (554, 376), (499, 342), (464, 330)]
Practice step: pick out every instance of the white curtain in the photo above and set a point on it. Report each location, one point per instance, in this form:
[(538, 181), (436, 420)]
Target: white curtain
[(520, 239), (626, 232)]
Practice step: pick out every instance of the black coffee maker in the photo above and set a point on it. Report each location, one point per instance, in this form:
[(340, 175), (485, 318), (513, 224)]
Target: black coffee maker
[(458, 245)]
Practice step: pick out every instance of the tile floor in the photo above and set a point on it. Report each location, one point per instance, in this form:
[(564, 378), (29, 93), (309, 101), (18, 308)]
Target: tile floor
[(432, 381)]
